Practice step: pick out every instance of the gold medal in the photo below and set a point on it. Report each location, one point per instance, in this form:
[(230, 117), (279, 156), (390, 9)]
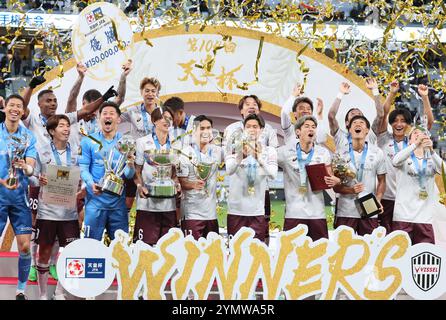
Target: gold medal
[(423, 194), (303, 189), (251, 190)]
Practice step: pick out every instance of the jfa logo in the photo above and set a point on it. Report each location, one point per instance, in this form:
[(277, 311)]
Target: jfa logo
[(75, 268), (85, 268), (90, 18)]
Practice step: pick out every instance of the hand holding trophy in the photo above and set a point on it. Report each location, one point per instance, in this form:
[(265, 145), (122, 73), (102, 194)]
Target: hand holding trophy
[(163, 186), (16, 153), (112, 182)]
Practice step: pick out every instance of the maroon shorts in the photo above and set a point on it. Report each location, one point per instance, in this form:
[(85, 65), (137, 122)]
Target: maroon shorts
[(33, 195), (418, 232), (199, 228), (317, 228), (385, 219), (130, 188), (267, 212), (151, 226), (257, 223), (65, 231), (361, 226)]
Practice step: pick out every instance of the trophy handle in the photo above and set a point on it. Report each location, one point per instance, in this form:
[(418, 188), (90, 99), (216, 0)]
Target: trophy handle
[(121, 164)]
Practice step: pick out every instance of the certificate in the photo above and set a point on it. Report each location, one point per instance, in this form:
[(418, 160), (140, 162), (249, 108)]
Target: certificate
[(63, 183)]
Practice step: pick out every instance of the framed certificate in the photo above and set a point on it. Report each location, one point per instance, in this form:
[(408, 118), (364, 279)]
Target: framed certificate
[(316, 174), (63, 184), (368, 206)]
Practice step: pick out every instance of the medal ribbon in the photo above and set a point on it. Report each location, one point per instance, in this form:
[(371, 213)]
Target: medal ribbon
[(56, 154), (395, 145), (360, 169), (145, 120), (303, 163), (157, 142), (421, 173)]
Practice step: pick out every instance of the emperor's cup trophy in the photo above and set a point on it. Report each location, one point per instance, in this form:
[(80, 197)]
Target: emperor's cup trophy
[(367, 205), (239, 141), (203, 170), (111, 182), (162, 186), (16, 151)]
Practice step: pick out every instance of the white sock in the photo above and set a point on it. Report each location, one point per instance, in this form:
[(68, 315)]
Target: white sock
[(34, 247), (42, 279), (54, 253), (59, 293)]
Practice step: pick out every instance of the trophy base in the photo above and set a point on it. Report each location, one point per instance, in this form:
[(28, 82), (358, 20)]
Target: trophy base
[(368, 206), (161, 189), (112, 187)]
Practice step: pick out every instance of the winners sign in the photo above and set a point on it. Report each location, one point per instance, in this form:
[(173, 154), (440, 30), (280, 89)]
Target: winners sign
[(375, 266)]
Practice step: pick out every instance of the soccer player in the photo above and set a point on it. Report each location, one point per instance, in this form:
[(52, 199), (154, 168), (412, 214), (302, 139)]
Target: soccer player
[(48, 104), (154, 216), (252, 105), (415, 199), (54, 220), (336, 132), (141, 125), (199, 203), (89, 123), (103, 210), (300, 106), (13, 197), (182, 123), (303, 205), (368, 162), (257, 163), (139, 116), (391, 142)]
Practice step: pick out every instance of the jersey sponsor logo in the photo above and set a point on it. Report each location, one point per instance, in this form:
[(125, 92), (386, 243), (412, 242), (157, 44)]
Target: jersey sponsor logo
[(85, 268), (426, 270)]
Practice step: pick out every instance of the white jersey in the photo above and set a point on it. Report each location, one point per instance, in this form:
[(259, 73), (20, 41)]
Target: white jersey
[(36, 123), (341, 139), (269, 135), (150, 204), (386, 143), (139, 119), (89, 127), (288, 127), (408, 205), (301, 206), (374, 165), (196, 204), (240, 202), (183, 134), (47, 157)]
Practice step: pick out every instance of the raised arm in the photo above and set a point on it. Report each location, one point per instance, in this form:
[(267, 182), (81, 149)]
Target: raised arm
[(126, 68), (93, 106), (74, 92), (333, 123), (373, 85), (402, 155), (423, 91), (288, 106), (394, 88), (28, 91)]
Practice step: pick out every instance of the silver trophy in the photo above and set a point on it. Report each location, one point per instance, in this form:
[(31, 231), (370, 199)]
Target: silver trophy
[(112, 182), (162, 186), (16, 151)]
